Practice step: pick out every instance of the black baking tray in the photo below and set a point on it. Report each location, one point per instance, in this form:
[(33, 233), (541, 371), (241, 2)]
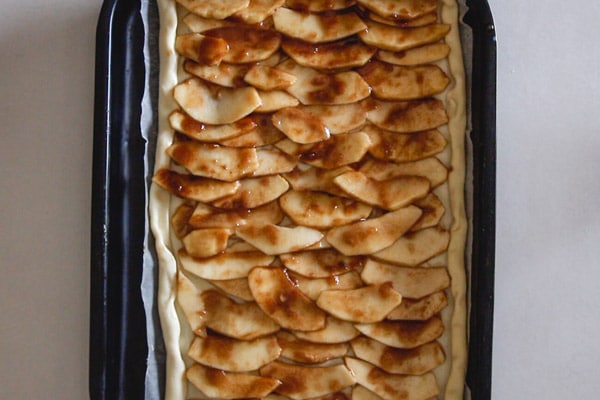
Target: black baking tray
[(118, 337)]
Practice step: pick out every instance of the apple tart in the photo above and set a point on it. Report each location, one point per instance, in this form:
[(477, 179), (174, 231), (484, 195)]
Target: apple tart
[(308, 199)]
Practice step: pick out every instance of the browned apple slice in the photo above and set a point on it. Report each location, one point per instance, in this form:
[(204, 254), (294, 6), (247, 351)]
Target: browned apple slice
[(430, 168), (335, 331), (393, 82), (317, 28), (223, 74), (264, 133), (420, 309), (422, 20), (400, 9), (215, 105), (205, 216), (411, 282), (273, 100), (180, 220), (320, 210), (313, 287), (337, 151), (362, 393), (214, 8), (275, 239), (302, 351), (235, 287), (255, 192), (300, 126), (206, 242), (409, 116), (416, 248), (363, 305), (433, 211), (416, 56), (388, 386), (321, 263), (279, 298), (189, 298), (219, 384), (399, 39), (372, 235), (258, 10), (320, 245), (404, 334), (224, 266), (390, 194), (268, 78), (234, 355), (314, 87), (273, 161), (403, 147), (319, 5), (246, 44), (202, 49), (245, 321), (335, 55), (209, 133), (200, 24), (341, 118), (300, 382), (316, 179), (399, 361), (194, 187)]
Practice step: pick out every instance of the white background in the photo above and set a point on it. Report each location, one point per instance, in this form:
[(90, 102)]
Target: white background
[(547, 271)]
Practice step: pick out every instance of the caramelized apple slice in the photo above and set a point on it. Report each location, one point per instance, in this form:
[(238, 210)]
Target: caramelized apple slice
[(205, 216), (229, 385), (322, 211), (268, 78), (300, 126), (313, 287), (372, 235), (433, 211), (300, 382), (416, 248), (341, 118), (402, 147), (319, 5), (388, 385), (275, 239), (302, 351), (189, 298), (206, 242), (317, 28), (180, 220), (410, 116), (421, 309), (209, 133), (334, 55), (363, 305), (430, 168), (264, 133), (279, 298), (223, 74), (214, 8), (404, 334), (194, 187), (258, 10), (425, 19), (315, 179), (254, 192), (400, 9), (390, 194), (234, 355), (235, 287), (419, 55), (335, 331), (321, 263), (216, 106), (200, 24), (224, 266), (204, 50), (399, 39), (246, 44), (362, 393), (273, 100), (410, 282), (273, 161)]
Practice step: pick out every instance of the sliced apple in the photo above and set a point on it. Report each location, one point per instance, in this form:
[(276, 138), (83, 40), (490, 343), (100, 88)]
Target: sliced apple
[(189, 298), (319, 5), (224, 266), (335, 331), (216, 383), (362, 393), (235, 287), (273, 100), (264, 133), (254, 192), (425, 19), (223, 74), (341, 118), (403, 147), (206, 242), (312, 287), (246, 44), (398, 39), (404, 334), (180, 220), (410, 116), (390, 194), (300, 126), (417, 56), (300, 382), (273, 161), (302, 351), (205, 216), (202, 49), (335, 55), (279, 298), (430, 168), (388, 386), (275, 239), (317, 28), (194, 187), (321, 263), (315, 179), (433, 211), (400, 9), (411, 282), (209, 133), (416, 248), (199, 24), (268, 78), (214, 8), (215, 105), (420, 309), (258, 10), (372, 235), (320, 245)]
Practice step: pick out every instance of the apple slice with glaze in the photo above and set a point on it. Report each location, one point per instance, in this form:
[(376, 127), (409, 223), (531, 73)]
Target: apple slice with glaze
[(220, 384), (339, 118), (235, 287), (404, 147), (246, 44), (315, 179), (258, 10), (430, 168), (425, 19), (313, 287), (194, 187), (433, 211), (416, 247), (202, 132), (347, 53), (335, 331), (417, 56), (254, 192), (223, 74), (399, 39), (224, 266), (208, 242), (273, 100), (189, 298), (317, 28), (321, 263), (420, 309), (205, 216), (275, 239), (204, 50), (403, 334), (302, 351), (272, 162), (216, 9), (407, 116), (199, 24), (265, 77)]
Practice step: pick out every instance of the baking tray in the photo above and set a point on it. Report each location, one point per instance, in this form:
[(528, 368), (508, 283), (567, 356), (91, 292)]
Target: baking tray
[(119, 237)]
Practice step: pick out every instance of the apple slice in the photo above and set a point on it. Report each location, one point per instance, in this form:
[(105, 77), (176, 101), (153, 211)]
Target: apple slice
[(279, 298), (335, 55), (214, 8), (320, 245), (421, 309), (398, 39), (202, 49), (268, 78), (314, 179), (341, 118), (275, 239), (223, 74), (189, 298), (194, 187), (417, 56), (335, 331), (273, 161), (399, 361), (215, 105), (433, 211), (258, 10), (411, 282), (362, 393), (224, 266), (205, 216), (199, 24), (264, 133), (404, 334), (393, 82), (209, 133), (372, 235), (254, 192), (321, 263), (416, 248), (234, 355), (313, 287), (235, 287), (425, 19), (219, 384), (302, 351), (400, 9), (390, 194), (180, 220), (403, 147), (300, 126), (317, 28), (388, 386), (430, 168), (410, 116), (206, 242), (273, 100), (300, 382), (246, 44), (319, 5)]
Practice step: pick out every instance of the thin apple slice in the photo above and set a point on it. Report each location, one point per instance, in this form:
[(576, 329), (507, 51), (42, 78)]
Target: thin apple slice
[(223, 74), (320, 210), (404, 334), (393, 82), (206, 242), (258, 10), (275, 239), (224, 266), (403, 147), (337, 151), (409, 116), (300, 382), (321, 263), (417, 56), (411, 282), (416, 248), (268, 78), (390, 194), (335, 55), (313, 287), (209, 133), (246, 44), (273, 161), (302, 351), (341, 118), (300, 126), (362, 393), (315, 179), (194, 187), (273, 100), (214, 8), (398, 39), (372, 235), (317, 28), (425, 19), (199, 24), (264, 133), (205, 216), (180, 220), (335, 331), (430, 168), (433, 211), (234, 355), (189, 298), (235, 287), (388, 386), (320, 245), (319, 5), (202, 49), (254, 192), (216, 383), (279, 298), (215, 105), (420, 309), (400, 9)]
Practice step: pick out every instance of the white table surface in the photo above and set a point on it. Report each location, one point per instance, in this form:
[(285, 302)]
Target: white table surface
[(548, 227)]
